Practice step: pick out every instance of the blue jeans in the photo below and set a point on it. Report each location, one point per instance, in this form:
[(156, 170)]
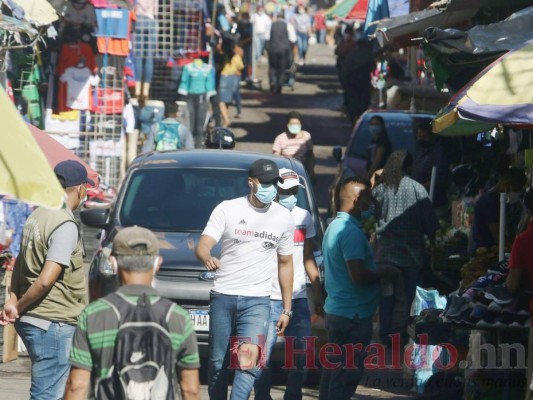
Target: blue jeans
[(259, 45), (339, 382), (387, 304), (321, 36), (144, 48), (49, 354), (234, 320), (302, 42), (299, 328)]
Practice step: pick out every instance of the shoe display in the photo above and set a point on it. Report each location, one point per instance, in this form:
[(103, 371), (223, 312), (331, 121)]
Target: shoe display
[(457, 305), (495, 307), (501, 268), (481, 312), (499, 294), (489, 279)]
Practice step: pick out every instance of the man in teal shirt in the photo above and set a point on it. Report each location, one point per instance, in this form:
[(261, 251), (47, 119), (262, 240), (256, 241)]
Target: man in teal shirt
[(353, 289)]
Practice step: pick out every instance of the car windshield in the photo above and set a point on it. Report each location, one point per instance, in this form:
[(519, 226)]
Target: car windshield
[(400, 131), (182, 199)]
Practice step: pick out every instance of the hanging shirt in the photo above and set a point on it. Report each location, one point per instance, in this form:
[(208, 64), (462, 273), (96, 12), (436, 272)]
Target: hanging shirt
[(78, 82), (112, 22), (70, 55), (197, 79), (114, 45), (147, 8), (76, 15)]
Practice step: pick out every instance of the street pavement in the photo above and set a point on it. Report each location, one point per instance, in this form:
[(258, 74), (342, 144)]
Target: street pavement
[(317, 97)]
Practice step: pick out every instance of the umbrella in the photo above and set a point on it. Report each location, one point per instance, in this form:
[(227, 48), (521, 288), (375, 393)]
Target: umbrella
[(500, 94), (55, 152), (349, 10), (24, 170)]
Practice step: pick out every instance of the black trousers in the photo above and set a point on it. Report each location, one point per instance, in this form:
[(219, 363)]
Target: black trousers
[(278, 64)]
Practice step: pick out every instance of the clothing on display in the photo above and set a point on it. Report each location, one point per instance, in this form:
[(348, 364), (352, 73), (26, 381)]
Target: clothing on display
[(79, 13), (78, 82), (113, 45), (144, 47), (147, 8), (197, 78), (197, 84), (112, 22), (71, 54)]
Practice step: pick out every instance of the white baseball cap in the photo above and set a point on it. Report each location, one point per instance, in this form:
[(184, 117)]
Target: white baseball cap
[(289, 179)]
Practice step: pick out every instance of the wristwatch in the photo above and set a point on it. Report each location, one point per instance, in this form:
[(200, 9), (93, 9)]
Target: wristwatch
[(287, 313)]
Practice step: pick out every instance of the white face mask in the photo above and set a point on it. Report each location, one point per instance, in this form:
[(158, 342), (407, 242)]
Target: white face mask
[(294, 128)]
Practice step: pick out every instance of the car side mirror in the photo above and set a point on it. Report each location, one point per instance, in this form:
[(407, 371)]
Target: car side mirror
[(95, 217), (337, 153)]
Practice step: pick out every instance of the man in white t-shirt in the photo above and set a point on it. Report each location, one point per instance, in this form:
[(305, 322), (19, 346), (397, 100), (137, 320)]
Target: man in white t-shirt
[(255, 234), (300, 324)]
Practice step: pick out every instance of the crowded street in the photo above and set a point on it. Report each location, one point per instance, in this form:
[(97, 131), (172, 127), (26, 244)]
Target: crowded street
[(271, 199)]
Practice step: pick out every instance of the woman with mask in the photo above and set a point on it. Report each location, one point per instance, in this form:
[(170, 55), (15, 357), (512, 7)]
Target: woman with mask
[(296, 143), (380, 146)]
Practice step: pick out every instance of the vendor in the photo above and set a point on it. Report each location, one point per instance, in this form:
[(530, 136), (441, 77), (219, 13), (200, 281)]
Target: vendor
[(520, 267), (486, 227), (521, 261)]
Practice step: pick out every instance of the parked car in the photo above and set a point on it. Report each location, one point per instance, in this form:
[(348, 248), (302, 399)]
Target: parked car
[(173, 194), (400, 129)]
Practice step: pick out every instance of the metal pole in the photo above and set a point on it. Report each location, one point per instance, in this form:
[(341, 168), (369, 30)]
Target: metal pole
[(432, 184), (501, 243)]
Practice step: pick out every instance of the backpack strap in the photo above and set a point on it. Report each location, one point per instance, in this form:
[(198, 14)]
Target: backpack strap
[(118, 304)]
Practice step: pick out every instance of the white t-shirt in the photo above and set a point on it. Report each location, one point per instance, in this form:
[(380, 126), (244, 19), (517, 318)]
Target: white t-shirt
[(78, 82), (262, 23), (303, 229), (250, 239)]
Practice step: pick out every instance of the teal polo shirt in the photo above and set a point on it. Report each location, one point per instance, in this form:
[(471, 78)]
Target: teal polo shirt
[(345, 240)]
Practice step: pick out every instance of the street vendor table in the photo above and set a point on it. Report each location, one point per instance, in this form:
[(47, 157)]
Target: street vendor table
[(459, 335)]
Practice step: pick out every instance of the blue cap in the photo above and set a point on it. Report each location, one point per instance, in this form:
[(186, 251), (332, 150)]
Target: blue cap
[(72, 173)]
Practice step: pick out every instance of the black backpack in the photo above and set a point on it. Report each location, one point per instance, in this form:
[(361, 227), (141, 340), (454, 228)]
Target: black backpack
[(142, 359)]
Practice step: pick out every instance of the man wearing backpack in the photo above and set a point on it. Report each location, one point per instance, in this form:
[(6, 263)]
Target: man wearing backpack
[(130, 344), (172, 134)]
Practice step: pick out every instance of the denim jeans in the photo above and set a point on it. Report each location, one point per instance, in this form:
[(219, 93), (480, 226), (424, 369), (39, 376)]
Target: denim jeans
[(299, 328), (144, 48), (321, 36), (340, 382), (49, 354), (411, 279), (235, 320), (259, 45), (302, 42)]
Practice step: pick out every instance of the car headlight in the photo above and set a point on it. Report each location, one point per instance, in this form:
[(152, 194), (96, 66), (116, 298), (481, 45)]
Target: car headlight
[(106, 267)]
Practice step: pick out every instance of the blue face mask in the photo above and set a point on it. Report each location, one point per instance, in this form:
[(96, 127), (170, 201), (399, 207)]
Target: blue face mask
[(288, 201), (366, 215), (266, 193)]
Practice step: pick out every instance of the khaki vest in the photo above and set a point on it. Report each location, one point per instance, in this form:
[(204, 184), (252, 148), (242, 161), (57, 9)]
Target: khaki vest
[(67, 298)]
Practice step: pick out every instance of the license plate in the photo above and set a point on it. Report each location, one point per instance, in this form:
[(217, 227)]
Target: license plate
[(200, 320)]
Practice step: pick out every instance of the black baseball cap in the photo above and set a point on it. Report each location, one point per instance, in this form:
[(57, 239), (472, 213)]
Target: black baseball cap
[(72, 173), (265, 170)]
